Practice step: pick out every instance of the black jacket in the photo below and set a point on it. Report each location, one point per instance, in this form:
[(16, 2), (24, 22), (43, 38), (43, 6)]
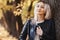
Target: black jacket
[(30, 27)]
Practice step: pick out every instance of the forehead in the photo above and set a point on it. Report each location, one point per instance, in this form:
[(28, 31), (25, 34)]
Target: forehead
[(40, 4)]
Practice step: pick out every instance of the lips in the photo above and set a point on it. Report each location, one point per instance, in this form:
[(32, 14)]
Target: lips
[(39, 11)]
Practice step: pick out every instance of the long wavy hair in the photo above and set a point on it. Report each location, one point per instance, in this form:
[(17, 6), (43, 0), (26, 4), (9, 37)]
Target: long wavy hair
[(47, 11)]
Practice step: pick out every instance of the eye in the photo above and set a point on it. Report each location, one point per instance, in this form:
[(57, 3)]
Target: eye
[(42, 6), (37, 5)]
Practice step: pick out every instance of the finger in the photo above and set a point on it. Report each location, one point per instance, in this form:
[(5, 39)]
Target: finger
[(39, 27)]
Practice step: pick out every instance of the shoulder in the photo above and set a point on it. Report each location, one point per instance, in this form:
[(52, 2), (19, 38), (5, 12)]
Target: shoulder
[(32, 21), (29, 20), (50, 21)]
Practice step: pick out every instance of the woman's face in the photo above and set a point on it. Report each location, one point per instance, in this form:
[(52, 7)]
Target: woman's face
[(39, 8)]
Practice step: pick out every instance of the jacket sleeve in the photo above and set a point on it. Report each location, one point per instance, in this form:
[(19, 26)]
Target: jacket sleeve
[(23, 34), (52, 32)]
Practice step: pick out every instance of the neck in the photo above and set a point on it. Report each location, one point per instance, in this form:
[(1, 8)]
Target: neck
[(41, 18)]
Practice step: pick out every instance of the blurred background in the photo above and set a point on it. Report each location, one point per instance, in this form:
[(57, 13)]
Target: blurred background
[(14, 14)]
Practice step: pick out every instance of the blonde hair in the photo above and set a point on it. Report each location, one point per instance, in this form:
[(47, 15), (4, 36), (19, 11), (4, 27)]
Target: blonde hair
[(47, 9)]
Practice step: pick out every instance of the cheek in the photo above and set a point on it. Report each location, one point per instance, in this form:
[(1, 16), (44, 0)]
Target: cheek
[(35, 10), (42, 10)]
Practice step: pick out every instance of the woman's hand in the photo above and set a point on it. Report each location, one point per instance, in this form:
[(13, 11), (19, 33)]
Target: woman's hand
[(39, 31)]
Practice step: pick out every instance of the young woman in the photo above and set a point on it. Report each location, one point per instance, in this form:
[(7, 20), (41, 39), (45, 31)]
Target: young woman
[(41, 27)]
